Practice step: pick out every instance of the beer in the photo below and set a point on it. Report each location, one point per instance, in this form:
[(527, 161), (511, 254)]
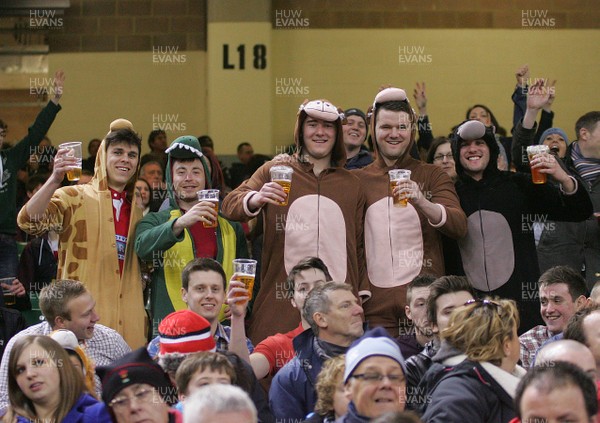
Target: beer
[(283, 176), (9, 298), (74, 174), (400, 200), (248, 281), (244, 271), (532, 150), (215, 204), (74, 151), (211, 195), (287, 186), (397, 176)]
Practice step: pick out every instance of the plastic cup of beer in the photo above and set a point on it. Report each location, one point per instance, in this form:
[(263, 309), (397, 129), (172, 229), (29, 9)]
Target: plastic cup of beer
[(9, 296), (532, 150), (244, 270), (283, 176), (75, 151), (211, 195), (396, 176)]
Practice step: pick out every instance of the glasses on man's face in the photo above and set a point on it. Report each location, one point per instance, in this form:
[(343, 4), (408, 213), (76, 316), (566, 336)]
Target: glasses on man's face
[(395, 379), (3, 133), (123, 402), (441, 157)]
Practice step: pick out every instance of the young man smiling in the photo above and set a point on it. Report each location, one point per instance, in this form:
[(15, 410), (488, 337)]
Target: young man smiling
[(402, 243), (96, 223), (498, 254), (323, 217), (562, 293), (203, 290), (175, 236)]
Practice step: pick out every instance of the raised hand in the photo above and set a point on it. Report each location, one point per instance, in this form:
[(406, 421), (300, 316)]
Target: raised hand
[(537, 95), (237, 298), (420, 98), (270, 193), (552, 91), (522, 75), (59, 82)]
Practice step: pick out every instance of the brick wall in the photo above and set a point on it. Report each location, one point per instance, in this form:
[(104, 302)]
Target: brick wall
[(130, 25), (496, 14), (138, 25)]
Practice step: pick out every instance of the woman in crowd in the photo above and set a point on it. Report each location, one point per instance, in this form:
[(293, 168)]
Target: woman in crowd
[(143, 194), (440, 154), (481, 388), (331, 400), (44, 386)]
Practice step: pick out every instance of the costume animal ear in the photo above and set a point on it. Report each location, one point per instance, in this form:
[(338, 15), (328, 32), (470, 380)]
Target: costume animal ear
[(117, 124), (471, 130)]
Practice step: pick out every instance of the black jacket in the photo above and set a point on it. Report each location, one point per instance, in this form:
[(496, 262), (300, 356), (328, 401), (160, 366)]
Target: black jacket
[(11, 322), (468, 393), (498, 254)]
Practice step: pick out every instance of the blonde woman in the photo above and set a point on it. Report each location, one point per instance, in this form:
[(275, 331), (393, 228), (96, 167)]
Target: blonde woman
[(331, 399), (481, 388)]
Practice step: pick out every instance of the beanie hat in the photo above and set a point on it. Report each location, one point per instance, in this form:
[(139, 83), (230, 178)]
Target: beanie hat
[(551, 131), (185, 147), (135, 367), (356, 112), (375, 342), (185, 332)]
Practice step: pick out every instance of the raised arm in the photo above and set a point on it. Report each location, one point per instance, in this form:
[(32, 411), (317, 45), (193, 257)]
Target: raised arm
[(519, 96), (237, 299), (37, 205)]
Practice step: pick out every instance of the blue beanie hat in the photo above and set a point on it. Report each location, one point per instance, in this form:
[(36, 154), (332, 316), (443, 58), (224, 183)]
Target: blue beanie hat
[(552, 131), (375, 342)]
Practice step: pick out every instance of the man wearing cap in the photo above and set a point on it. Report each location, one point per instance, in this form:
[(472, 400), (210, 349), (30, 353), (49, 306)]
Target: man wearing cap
[(402, 243), (323, 217), (355, 134), (96, 223), (336, 319), (173, 237), (136, 389), (498, 254), (374, 377)]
